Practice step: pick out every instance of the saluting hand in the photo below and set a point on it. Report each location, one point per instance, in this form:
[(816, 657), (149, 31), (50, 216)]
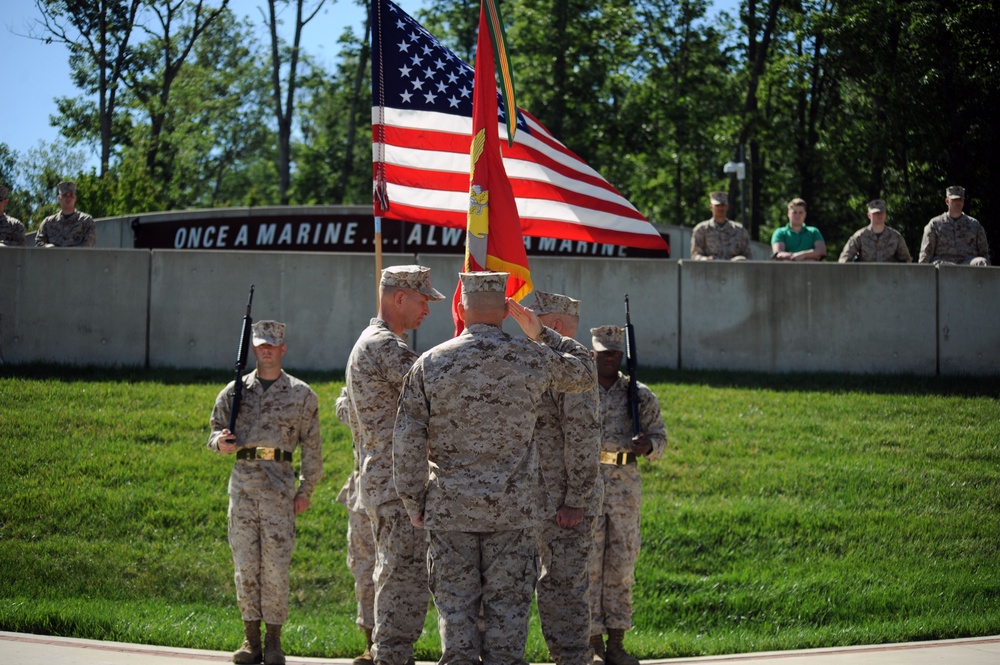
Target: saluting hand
[(526, 318)]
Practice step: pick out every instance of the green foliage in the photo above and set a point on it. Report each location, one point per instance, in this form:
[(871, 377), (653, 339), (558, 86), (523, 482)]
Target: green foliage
[(836, 102), (788, 512), (33, 177), (219, 142), (333, 159), (672, 113)]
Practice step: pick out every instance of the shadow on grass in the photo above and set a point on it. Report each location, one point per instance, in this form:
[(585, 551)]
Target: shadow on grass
[(896, 384), (801, 382)]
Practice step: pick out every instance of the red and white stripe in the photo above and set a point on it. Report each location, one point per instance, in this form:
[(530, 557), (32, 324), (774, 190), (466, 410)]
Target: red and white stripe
[(426, 167)]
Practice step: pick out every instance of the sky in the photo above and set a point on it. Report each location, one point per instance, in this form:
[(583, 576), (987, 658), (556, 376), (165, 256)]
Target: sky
[(36, 73)]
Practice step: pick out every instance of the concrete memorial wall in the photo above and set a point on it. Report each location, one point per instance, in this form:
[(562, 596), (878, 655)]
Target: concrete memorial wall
[(796, 317), (84, 307), (968, 320), (183, 308)]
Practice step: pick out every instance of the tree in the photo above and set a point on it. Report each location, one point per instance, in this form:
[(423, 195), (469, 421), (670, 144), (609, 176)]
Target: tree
[(760, 29), (178, 26), (38, 173), (99, 37), (221, 136), (9, 170), (284, 96), (678, 119), (335, 120), (456, 24)]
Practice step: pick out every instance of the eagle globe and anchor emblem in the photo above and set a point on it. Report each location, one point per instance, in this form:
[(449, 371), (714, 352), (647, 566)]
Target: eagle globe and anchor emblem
[(479, 206)]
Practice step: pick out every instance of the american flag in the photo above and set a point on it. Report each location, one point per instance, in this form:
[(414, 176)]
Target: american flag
[(422, 130)]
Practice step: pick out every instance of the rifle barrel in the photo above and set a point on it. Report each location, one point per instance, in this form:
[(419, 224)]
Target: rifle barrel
[(241, 363)]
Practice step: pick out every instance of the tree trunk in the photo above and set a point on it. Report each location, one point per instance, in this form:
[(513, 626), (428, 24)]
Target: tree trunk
[(284, 110), (352, 118), (757, 55)]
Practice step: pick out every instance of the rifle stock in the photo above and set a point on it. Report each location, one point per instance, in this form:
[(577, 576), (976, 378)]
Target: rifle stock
[(632, 362), (246, 334)]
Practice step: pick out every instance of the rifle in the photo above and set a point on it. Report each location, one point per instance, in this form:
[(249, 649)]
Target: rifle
[(632, 362), (246, 334)]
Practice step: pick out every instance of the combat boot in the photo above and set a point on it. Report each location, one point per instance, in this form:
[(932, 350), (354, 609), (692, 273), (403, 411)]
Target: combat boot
[(249, 653), (366, 657), (615, 653), (597, 644), (273, 655)]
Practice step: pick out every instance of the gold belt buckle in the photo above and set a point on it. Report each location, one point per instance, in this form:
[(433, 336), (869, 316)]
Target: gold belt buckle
[(265, 453)]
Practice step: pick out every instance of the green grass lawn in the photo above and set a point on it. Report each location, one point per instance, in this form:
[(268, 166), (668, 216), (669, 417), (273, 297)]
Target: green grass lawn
[(789, 511)]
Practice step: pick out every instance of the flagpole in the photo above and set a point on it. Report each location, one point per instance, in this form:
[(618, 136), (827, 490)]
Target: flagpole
[(380, 197), (378, 262)]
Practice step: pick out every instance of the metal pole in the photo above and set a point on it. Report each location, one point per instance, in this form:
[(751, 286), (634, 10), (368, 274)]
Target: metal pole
[(378, 261), (743, 191)]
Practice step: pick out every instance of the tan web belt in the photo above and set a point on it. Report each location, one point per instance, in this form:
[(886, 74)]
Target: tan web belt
[(275, 454), (618, 459)]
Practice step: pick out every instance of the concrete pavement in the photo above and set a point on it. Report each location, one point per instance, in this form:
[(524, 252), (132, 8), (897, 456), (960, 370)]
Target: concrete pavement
[(26, 649)]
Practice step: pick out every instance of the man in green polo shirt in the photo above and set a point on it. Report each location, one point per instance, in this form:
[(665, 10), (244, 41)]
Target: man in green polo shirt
[(798, 241)]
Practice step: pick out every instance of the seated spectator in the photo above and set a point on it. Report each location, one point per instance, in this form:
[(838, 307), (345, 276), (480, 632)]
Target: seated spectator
[(11, 228), (876, 243), (796, 241), (953, 236), (719, 239), (69, 227)]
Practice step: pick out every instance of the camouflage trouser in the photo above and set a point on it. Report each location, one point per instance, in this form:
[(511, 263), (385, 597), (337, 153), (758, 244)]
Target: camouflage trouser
[(563, 590), (494, 572), (401, 588), (612, 560), (361, 561), (262, 537)]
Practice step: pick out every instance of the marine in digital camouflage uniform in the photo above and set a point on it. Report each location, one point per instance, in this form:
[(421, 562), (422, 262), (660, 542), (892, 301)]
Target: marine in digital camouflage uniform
[(617, 540), (11, 228), (719, 239), (69, 227), (467, 471), (360, 542), (568, 437), (876, 243), (277, 414), (953, 236), (375, 370)]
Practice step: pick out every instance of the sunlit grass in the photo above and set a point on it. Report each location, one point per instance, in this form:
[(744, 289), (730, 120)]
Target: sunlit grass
[(789, 511)]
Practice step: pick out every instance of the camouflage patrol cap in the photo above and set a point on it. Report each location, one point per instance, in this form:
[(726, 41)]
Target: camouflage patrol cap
[(268, 332), (473, 282), (413, 277), (876, 205), (553, 303), (66, 187), (955, 192), (4, 192), (719, 198), (608, 338)]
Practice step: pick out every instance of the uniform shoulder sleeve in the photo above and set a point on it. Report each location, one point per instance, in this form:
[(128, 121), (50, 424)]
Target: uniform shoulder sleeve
[(220, 415), (928, 245), (652, 421), (310, 441)]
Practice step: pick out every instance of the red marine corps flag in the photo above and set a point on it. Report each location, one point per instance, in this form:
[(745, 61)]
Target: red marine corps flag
[(493, 231), (422, 130)]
